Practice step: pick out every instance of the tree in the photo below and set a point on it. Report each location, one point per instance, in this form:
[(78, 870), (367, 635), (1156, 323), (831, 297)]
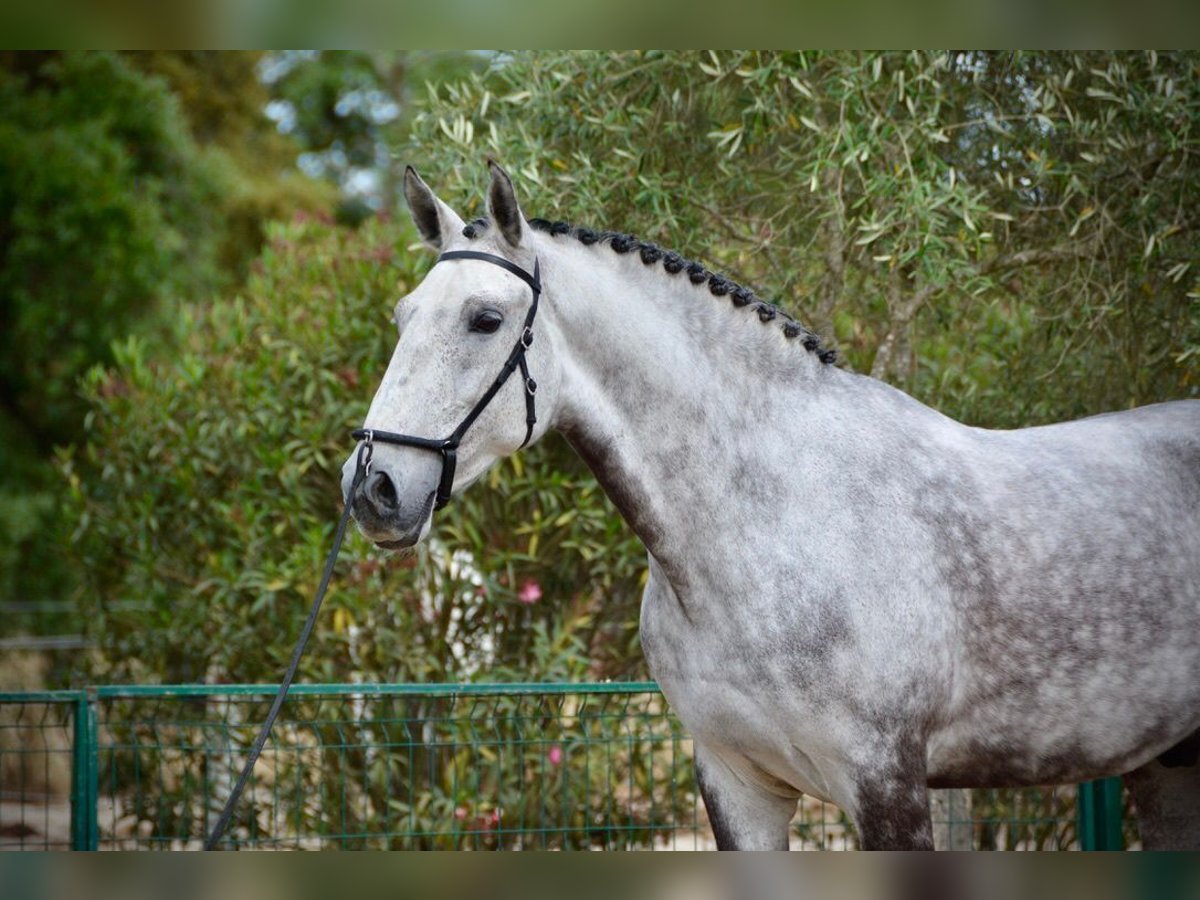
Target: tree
[(966, 224), (350, 109), (223, 99), (121, 194)]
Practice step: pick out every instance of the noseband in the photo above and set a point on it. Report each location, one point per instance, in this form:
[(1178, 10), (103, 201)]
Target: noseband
[(448, 447)]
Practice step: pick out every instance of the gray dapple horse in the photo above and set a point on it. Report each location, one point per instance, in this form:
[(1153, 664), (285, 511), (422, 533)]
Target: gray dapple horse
[(851, 595)]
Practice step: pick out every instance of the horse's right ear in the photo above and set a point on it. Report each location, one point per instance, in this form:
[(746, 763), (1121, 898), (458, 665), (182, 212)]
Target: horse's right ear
[(434, 219)]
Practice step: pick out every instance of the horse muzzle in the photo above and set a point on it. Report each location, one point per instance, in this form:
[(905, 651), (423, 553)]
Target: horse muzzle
[(383, 516)]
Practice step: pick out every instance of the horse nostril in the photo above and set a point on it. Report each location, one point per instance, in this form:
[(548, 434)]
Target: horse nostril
[(382, 492)]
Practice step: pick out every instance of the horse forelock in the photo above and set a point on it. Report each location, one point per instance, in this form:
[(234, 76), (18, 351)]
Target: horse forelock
[(674, 263)]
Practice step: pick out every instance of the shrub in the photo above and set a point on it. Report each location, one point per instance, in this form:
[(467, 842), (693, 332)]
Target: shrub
[(210, 485), (128, 182)]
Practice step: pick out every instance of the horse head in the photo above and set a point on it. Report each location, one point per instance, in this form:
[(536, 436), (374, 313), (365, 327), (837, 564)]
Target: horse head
[(447, 408)]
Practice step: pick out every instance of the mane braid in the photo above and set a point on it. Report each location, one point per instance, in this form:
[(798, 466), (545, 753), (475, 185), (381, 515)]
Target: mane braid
[(718, 285)]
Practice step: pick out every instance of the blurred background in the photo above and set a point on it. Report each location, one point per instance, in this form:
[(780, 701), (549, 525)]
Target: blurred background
[(199, 253)]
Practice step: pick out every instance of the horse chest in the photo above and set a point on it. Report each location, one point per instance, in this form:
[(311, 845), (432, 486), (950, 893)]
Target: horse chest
[(739, 691), (744, 710), (684, 648)]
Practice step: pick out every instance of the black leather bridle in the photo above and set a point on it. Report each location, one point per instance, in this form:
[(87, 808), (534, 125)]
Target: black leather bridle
[(448, 447)]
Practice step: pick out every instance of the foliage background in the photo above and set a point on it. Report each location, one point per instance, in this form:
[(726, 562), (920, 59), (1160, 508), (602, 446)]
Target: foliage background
[(130, 184), (1010, 237)]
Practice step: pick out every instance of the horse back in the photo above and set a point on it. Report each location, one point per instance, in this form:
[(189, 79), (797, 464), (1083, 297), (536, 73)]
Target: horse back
[(1079, 631)]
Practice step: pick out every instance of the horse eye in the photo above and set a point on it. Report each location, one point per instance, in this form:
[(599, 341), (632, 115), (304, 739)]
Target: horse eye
[(486, 321)]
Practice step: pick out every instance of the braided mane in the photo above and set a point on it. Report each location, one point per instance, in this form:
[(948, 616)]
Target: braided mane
[(718, 285)]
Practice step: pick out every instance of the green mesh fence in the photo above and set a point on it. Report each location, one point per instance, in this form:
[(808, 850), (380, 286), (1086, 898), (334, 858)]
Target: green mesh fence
[(430, 767), (37, 760), (536, 766)]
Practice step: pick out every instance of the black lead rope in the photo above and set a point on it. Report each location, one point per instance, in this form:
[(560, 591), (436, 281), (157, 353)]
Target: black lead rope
[(448, 448), (361, 468)]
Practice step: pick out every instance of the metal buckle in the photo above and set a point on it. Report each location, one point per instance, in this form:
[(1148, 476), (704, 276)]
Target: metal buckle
[(527, 337), (369, 451), (530, 386)]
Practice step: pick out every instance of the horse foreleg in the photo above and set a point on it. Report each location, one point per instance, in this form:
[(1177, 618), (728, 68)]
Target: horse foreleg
[(1166, 797), (891, 811), (744, 815)]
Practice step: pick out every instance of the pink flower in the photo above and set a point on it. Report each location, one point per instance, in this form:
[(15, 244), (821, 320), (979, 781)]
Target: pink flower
[(555, 755), (530, 592), (460, 812)]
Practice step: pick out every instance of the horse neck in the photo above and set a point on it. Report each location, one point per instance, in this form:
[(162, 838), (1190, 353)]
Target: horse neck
[(661, 379)]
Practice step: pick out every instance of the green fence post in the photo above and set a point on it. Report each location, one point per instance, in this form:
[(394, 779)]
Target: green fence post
[(85, 833), (1098, 812)]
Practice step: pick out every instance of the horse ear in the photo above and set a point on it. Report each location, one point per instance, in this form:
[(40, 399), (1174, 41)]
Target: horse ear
[(502, 205), (434, 219)]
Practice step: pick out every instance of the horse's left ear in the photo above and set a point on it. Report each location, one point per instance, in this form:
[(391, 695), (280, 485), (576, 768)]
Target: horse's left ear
[(436, 222), (502, 205)]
